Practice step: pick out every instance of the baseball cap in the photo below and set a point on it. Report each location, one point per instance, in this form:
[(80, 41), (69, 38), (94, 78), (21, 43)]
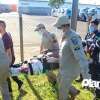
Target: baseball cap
[(63, 20), (39, 26)]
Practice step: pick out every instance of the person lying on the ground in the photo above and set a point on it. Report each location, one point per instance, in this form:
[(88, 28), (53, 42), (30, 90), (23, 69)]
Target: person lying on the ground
[(34, 66)]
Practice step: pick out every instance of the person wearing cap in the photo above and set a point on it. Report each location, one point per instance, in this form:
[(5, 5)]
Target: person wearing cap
[(49, 46), (72, 57), (49, 41)]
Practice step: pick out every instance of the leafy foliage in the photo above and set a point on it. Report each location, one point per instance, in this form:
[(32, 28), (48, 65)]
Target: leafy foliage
[(56, 3)]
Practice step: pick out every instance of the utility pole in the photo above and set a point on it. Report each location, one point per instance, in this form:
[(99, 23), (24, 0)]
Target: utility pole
[(21, 37), (21, 31), (74, 14)]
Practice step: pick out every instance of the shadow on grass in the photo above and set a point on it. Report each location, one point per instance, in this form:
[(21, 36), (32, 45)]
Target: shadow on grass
[(21, 94), (33, 89), (52, 79)]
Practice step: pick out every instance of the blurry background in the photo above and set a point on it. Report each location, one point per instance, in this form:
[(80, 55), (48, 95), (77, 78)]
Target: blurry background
[(39, 11)]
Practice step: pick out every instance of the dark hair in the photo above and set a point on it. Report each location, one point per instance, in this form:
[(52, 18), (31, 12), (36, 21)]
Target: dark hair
[(2, 22), (96, 22)]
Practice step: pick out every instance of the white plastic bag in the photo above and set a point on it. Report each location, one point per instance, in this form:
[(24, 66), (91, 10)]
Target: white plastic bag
[(37, 66)]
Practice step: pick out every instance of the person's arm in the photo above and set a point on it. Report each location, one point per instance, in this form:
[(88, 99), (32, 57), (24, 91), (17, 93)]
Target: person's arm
[(63, 38), (41, 48), (8, 44), (75, 44), (55, 43), (9, 54), (53, 38), (12, 50), (13, 56)]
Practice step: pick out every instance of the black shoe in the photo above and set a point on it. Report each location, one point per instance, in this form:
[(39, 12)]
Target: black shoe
[(20, 85), (80, 79)]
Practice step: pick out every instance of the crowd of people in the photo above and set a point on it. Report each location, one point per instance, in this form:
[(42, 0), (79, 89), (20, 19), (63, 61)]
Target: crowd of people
[(70, 54)]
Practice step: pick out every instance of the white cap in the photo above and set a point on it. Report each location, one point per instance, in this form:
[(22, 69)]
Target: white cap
[(63, 20)]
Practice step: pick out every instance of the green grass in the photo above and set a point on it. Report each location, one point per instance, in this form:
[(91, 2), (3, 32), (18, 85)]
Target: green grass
[(37, 87)]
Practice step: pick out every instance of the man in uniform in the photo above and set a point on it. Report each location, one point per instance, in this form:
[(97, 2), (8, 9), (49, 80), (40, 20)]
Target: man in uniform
[(49, 41), (4, 72), (49, 47), (72, 57)]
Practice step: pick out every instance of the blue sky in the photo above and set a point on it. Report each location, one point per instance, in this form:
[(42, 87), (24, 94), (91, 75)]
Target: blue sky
[(96, 2)]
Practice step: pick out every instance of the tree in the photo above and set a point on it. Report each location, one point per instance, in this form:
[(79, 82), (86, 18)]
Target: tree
[(56, 3)]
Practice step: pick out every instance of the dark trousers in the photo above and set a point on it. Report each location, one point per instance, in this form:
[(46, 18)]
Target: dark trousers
[(95, 55), (16, 79), (97, 92), (49, 66), (95, 75), (46, 65)]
